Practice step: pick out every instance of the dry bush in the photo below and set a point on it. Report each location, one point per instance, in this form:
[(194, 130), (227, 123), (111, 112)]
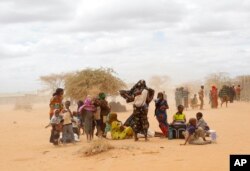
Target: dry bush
[(96, 147), (91, 82)]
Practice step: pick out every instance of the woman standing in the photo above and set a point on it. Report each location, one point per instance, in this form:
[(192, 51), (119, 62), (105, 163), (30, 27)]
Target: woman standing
[(161, 106), (214, 97), (56, 101)]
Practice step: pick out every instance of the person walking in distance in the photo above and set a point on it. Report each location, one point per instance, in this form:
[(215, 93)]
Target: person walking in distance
[(201, 97)]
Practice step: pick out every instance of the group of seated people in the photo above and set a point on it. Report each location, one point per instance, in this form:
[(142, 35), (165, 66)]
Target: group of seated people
[(195, 129), (68, 123)]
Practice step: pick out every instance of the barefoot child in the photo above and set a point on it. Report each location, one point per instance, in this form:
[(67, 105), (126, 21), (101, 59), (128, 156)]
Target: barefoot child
[(193, 134), (89, 117), (56, 123), (201, 122), (68, 134)]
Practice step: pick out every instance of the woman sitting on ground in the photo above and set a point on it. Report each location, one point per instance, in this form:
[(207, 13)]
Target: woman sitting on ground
[(118, 131)]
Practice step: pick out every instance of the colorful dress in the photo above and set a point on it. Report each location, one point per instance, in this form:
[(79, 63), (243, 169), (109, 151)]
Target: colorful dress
[(55, 103), (214, 97), (89, 108), (116, 132), (161, 115)]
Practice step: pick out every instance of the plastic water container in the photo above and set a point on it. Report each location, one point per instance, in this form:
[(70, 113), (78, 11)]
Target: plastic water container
[(213, 135), (170, 133)]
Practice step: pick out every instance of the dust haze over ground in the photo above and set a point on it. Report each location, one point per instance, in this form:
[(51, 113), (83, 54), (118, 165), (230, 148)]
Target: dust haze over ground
[(25, 144), (168, 43)]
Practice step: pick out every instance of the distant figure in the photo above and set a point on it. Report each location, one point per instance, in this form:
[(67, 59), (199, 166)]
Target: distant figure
[(232, 94), (201, 97), (178, 97), (223, 94), (238, 92), (194, 102), (56, 101), (164, 95), (214, 97), (161, 106), (185, 98)]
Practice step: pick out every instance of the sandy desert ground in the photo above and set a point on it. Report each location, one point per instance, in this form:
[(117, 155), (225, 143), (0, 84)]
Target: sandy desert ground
[(24, 144)]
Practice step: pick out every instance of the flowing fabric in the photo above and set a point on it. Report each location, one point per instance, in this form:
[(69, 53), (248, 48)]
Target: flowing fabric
[(55, 103), (161, 116), (139, 120)]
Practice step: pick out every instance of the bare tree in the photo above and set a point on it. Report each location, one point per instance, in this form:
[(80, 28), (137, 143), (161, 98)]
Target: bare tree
[(218, 79), (54, 81)]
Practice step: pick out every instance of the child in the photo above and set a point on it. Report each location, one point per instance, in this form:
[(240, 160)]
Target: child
[(194, 102), (193, 134), (56, 123), (76, 124), (68, 134), (201, 122), (80, 114), (88, 125)]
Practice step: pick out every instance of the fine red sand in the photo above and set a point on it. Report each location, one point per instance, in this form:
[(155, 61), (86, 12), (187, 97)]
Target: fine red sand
[(25, 144)]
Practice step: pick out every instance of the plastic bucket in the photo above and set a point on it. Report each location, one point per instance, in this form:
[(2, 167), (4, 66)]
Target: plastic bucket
[(213, 135)]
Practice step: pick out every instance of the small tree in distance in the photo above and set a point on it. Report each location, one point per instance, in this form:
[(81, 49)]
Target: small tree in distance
[(53, 81)]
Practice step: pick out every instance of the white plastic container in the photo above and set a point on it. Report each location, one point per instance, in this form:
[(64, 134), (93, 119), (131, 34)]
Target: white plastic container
[(213, 135)]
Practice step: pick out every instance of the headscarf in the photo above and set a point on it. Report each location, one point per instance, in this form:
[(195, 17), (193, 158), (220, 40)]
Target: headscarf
[(58, 92), (112, 118), (102, 96), (88, 101), (88, 104)]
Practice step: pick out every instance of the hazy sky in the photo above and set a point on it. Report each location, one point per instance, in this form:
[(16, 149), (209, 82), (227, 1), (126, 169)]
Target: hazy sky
[(185, 39)]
